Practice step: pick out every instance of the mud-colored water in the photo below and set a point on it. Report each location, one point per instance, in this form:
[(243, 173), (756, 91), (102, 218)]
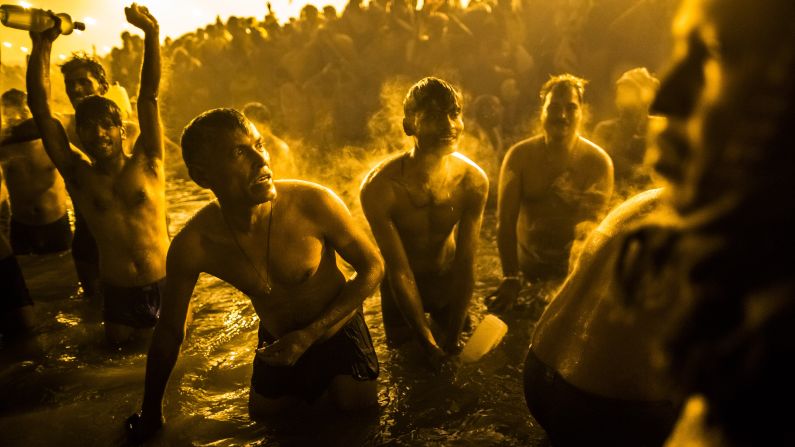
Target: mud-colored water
[(77, 391)]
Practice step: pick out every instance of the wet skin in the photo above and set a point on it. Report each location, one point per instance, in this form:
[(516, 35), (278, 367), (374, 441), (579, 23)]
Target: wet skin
[(280, 249), (121, 196), (425, 208), (548, 185)]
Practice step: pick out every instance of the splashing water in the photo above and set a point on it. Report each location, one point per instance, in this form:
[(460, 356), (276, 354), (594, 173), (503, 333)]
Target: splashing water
[(77, 391)]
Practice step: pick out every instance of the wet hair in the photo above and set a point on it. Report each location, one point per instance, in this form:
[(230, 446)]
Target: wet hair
[(257, 111), (566, 79), (83, 60), (94, 108), (199, 135), (428, 91), (15, 98)]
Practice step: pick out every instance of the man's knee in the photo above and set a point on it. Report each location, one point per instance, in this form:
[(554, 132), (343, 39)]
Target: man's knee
[(350, 394)]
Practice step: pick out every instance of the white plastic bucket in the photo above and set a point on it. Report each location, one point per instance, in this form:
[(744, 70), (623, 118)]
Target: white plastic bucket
[(486, 337)]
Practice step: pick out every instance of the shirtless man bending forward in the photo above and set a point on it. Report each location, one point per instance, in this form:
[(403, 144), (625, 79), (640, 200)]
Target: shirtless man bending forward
[(280, 250), (425, 208)]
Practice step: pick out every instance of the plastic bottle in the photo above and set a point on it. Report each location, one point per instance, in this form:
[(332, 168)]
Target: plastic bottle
[(38, 20), (488, 334)]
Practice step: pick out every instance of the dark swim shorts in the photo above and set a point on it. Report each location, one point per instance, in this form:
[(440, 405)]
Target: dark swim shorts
[(14, 291), (574, 417), (349, 352), (41, 239), (138, 307), (84, 247)]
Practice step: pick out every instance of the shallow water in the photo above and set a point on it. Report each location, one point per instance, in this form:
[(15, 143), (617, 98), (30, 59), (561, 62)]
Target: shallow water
[(78, 391)]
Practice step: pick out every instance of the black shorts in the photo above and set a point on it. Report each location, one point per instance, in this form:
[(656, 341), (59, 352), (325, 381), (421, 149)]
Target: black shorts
[(349, 352), (84, 247), (41, 239), (12, 284), (137, 307), (573, 417)]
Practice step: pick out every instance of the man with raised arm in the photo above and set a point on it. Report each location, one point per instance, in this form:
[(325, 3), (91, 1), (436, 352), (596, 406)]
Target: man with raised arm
[(425, 208), (121, 196), (277, 242)]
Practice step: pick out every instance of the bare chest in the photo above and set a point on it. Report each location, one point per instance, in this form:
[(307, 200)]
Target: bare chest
[(257, 264)]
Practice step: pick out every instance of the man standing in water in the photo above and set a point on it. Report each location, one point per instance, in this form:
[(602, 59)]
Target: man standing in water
[(39, 222), (16, 307), (626, 136), (83, 76), (121, 197), (425, 208), (280, 250), (549, 184)]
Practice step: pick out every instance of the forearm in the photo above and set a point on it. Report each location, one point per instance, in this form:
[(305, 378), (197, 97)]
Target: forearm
[(160, 362), (22, 133), (408, 299), (150, 71), (37, 80), (350, 298), (507, 247), (460, 298)]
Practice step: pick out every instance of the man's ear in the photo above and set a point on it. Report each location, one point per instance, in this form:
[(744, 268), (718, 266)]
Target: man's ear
[(408, 126), (123, 132), (199, 175)]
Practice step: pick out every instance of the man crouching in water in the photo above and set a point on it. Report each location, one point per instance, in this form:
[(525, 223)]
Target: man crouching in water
[(121, 197), (280, 250), (425, 207)]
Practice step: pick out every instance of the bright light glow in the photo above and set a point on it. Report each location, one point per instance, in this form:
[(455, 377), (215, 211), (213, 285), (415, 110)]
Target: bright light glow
[(7, 44), (62, 57), (24, 49), (24, 4), (106, 49), (89, 21)]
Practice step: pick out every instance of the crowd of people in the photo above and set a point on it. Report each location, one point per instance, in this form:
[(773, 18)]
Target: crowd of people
[(672, 319), (324, 74)]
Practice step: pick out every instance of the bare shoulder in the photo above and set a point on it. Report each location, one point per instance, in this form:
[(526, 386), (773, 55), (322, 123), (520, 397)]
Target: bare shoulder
[(386, 169), (189, 240), (525, 151), (296, 190), (378, 183), (475, 177), (590, 152), (308, 197)]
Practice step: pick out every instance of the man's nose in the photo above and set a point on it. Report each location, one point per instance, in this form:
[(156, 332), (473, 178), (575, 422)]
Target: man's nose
[(678, 91)]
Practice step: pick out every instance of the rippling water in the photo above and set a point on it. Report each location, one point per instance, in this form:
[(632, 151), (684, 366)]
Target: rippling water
[(77, 391)]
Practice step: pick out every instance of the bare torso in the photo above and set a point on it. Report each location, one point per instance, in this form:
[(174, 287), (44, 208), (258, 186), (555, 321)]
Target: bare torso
[(36, 189), (294, 260), (126, 213), (425, 215), (557, 193)]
